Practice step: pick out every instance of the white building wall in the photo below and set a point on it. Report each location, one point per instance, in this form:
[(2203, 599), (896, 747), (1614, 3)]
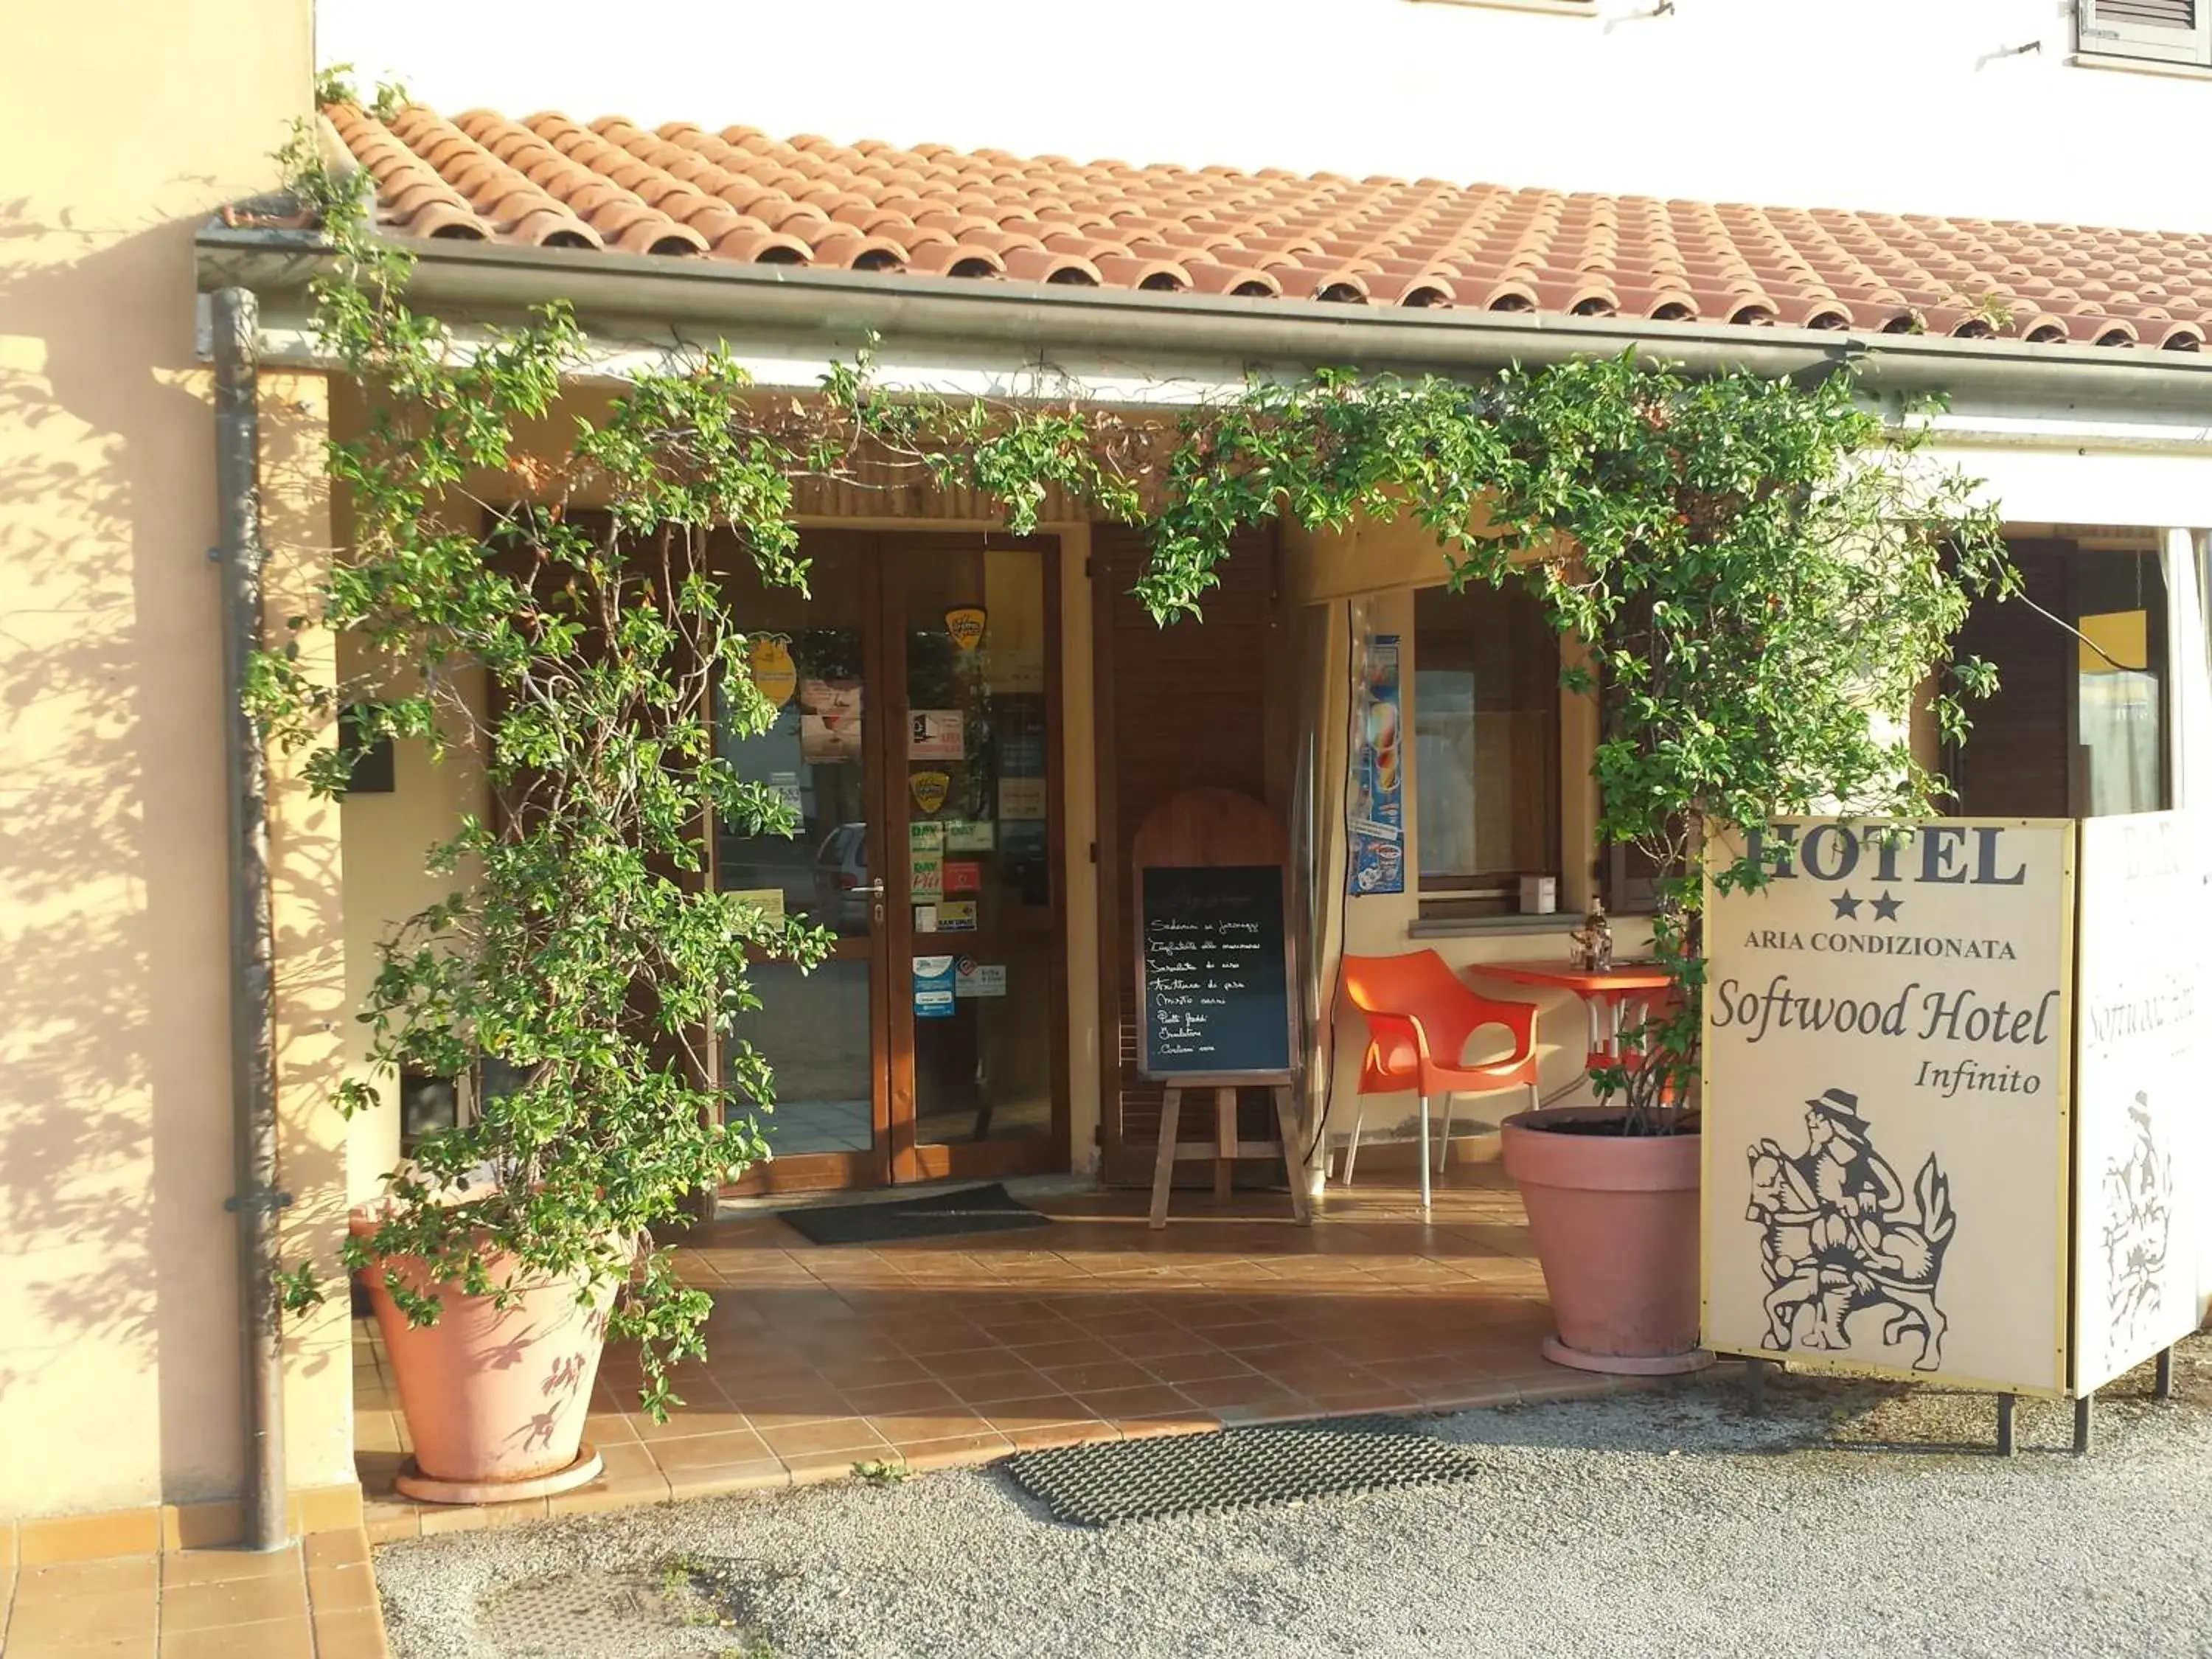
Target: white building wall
[(1898, 106)]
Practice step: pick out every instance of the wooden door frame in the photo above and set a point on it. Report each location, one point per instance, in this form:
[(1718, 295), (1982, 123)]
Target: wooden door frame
[(915, 1161), (895, 1158), (808, 1172)]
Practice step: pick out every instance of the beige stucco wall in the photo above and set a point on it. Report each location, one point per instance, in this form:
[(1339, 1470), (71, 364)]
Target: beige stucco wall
[(123, 124)]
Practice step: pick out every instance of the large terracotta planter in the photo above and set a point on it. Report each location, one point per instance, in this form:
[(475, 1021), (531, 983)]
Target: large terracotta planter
[(1615, 1220), (495, 1397)]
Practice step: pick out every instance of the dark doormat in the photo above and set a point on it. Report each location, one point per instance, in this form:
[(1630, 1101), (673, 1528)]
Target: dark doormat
[(1109, 1482), (989, 1209)]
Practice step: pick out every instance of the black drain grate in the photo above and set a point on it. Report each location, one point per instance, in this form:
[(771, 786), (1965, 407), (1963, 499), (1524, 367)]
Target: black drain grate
[(1109, 1482)]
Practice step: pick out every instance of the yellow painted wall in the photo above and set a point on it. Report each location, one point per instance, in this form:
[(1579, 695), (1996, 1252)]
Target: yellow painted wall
[(123, 125), (1380, 566)]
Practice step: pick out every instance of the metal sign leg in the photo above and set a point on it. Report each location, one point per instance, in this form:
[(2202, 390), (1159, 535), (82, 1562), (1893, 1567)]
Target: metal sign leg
[(1755, 1386), (2005, 1404), (2163, 1390), (2085, 1425)]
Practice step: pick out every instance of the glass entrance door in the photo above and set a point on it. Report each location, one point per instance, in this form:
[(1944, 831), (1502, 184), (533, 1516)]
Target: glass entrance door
[(974, 812), (915, 739), (814, 655)]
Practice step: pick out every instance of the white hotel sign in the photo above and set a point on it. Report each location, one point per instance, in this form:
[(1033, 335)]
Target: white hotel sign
[(1887, 1040), (2141, 1198)]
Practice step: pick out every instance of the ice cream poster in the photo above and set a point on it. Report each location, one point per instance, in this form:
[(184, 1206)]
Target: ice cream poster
[(1378, 863)]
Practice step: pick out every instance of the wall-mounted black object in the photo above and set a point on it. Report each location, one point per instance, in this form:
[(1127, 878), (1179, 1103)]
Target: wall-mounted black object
[(426, 1104), (373, 771)]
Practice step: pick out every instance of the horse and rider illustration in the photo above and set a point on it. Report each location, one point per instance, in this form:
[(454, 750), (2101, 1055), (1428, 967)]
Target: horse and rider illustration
[(2137, 1226), (1842, 1235)]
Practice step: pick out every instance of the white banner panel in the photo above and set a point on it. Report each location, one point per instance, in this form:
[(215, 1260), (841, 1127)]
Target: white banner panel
[(1887, 1042), (2142, 1191)]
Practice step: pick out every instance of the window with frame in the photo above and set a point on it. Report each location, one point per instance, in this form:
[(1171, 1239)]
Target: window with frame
[(1486, 748), (2178, 32)]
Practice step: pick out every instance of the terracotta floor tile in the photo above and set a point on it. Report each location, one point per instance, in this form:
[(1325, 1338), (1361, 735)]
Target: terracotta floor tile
[(714, 1479), (1217, 1393), (788, 1413), (896, 1397), (334, 1549), (36, 1623), (233, 1601), (1034, 1332), (978, 1362), (877, 1373), (1007, 1414), (1373, 1394), (340, 1589), (351, 1635), (951, 1337), (686, 1422), (1250, 1334), (1072, 1350), (740, 1446), (1041, 1437), (1116, 1405), (1105, 1374), (1010, 1384), (1151, 1343), (928, 1424), (291, 1639), (118, 1575), (1206, 1364), (843, 1434)]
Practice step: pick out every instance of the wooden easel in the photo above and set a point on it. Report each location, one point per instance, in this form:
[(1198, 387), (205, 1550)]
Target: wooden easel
[(1226, 1148), (1219, 829)]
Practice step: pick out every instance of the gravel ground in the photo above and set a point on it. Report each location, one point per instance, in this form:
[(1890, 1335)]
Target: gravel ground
[(1853, 1520)]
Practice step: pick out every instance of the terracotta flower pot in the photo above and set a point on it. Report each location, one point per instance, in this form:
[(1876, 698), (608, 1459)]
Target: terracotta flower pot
[(1614, 1219), (495, 1397)]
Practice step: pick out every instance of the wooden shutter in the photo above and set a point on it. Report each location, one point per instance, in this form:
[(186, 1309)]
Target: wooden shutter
[(2017, 758), (1179, 707), (2156, 31)]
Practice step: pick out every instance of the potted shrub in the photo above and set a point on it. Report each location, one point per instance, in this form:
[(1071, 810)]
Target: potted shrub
[(1761, 578), (578, 660), (1765, 608)]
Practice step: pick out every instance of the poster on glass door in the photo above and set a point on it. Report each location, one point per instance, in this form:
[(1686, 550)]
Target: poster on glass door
[(1377, 863), (1886, 1101), (2143, 1189)]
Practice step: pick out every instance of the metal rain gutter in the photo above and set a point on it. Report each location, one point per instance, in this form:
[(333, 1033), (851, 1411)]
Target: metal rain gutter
[(833, 312), (256, 1200)]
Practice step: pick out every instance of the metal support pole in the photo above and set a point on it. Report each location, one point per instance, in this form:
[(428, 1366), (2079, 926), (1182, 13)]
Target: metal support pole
[(2163, 1388), (256, 1200), (2005, 1404), (1755, 1386), (2085, 1424)]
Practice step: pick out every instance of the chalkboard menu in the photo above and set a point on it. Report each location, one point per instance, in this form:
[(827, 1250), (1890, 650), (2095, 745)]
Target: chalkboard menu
[(1213, 974)]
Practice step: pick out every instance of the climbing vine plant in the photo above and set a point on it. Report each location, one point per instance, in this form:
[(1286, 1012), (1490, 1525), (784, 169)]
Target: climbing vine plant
[(1764, 578)]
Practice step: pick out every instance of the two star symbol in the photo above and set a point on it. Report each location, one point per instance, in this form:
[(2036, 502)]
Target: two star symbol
[(1884, 907)]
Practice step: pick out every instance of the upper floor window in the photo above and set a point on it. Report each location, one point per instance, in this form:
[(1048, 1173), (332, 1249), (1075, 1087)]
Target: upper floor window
[(1486, 747), (2149, 31), (2078, 725)]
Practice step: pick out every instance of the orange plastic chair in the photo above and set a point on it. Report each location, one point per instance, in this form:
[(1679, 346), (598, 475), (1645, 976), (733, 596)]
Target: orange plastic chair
[(1419, 1017)]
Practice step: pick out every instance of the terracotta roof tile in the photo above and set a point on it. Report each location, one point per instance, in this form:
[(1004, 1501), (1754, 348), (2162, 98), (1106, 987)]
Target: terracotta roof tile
[(683, 192)]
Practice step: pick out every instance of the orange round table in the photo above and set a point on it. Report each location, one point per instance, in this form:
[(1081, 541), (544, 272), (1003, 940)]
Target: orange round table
[(1606, 995)]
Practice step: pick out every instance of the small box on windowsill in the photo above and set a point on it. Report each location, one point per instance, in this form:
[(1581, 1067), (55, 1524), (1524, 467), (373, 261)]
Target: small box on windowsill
[(1540, 895)]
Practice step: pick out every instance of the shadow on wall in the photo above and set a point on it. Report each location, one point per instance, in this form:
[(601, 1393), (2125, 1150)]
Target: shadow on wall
[(116, 1255)]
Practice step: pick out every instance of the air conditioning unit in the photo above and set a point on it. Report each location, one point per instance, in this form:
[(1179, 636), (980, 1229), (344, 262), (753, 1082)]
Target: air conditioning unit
[(2152, 31)]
